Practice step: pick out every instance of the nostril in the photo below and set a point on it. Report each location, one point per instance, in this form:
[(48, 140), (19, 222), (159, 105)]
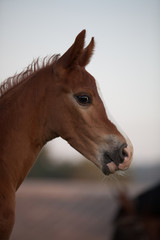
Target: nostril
[(123, 152)]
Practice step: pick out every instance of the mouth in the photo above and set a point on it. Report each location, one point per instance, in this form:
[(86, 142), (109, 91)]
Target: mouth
[(115, 155), (109, 168), (114, 162)]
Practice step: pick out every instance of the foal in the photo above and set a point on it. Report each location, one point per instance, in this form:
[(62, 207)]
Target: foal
[(59, 98)]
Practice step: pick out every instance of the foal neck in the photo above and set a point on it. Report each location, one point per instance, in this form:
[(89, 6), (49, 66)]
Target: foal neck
[(23, 124)]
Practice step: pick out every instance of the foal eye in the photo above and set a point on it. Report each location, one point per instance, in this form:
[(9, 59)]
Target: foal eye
[(83, 99)]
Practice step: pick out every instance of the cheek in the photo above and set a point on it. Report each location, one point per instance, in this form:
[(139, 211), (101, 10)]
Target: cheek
[(93, 116), (70, 114)]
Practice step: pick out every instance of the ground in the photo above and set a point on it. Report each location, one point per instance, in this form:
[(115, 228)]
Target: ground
[(65, 210)]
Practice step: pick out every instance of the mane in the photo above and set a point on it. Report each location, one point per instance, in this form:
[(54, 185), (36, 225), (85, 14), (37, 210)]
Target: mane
[(33, 68)]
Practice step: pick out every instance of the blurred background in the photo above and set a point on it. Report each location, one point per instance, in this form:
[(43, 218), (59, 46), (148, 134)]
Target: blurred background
[(64, 190)]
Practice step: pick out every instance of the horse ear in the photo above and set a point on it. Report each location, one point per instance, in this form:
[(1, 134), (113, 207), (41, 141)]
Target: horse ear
[(70, 57), (86, 54)]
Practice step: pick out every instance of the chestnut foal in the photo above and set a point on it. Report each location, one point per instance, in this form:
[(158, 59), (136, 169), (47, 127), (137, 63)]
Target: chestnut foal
[(57, 98)]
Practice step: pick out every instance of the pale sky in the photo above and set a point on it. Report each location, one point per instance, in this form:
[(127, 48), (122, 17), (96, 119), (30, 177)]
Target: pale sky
[(126, 62)]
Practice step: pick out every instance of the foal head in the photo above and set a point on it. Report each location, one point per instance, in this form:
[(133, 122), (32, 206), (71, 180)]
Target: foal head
[(79, 113)]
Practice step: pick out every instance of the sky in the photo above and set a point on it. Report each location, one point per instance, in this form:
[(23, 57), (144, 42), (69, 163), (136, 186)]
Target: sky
[(125, 63)]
